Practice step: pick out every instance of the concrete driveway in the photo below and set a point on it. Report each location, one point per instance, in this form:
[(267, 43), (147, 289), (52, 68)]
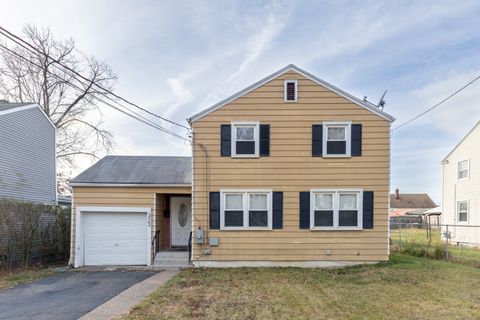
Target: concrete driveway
[(65, 296)]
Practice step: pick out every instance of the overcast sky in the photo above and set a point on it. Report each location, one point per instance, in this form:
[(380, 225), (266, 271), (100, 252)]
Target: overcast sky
[(179, 57)]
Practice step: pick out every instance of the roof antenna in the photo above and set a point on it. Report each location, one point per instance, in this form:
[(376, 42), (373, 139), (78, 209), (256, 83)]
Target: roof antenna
[(382, 102)]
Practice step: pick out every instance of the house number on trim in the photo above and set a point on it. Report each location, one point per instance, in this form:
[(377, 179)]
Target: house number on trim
[(149, 219)]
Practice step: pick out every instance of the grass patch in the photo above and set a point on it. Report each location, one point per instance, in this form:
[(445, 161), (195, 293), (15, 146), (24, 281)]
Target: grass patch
[(16, 277), (406, 288), (415, 242)]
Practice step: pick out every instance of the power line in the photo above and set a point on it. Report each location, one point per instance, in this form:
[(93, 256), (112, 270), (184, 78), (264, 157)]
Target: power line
[(10, 35), (436, 105), (133, 114)]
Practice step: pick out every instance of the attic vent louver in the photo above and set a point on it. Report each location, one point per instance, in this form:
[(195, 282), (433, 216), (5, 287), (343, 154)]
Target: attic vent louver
[(290, 90)]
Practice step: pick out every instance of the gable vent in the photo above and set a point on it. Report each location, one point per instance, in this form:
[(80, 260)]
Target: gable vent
[(291, 90)]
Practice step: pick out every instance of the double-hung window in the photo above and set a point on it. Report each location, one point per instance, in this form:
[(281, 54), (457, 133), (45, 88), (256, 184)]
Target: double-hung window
[(462, 211), (462, 170), (336, 139), (336, 209), (246, 210), (245, 139)]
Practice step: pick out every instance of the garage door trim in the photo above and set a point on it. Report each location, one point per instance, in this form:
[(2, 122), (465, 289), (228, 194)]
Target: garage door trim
[(79, 229)]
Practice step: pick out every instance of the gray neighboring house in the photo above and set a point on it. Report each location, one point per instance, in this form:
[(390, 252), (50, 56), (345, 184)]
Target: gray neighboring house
[(27, 153)]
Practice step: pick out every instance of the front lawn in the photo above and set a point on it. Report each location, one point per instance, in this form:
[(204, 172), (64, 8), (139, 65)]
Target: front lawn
[(13, 278), (406, 288)]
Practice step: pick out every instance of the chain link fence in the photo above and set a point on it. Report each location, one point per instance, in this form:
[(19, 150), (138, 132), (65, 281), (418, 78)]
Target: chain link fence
[(457, 243)]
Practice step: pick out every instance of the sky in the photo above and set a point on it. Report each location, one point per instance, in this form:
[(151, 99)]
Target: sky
[(179, 57)]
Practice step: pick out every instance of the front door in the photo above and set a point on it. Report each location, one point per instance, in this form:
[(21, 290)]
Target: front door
[(181, 220)]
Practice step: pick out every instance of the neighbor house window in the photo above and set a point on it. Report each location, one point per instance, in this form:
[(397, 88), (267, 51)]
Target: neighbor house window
[(246, 210), (336, 139), (290, 90), (245, 139), (462, 170), (336, 209), (462, 211)]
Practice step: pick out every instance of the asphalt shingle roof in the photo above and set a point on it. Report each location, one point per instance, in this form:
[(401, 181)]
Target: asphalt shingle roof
[(412, 200), (138, 170)]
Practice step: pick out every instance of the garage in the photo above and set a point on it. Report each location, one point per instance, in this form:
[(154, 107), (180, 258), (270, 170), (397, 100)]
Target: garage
[(115, 238)]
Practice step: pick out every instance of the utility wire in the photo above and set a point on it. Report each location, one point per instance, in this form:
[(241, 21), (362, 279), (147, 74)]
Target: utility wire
[(9, 35), (436, 105), (133, 114)]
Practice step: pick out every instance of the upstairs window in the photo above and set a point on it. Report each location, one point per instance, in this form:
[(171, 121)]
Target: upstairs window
[(462, 170), (462, 211), (290, 90), (336, 139), (245, 139)]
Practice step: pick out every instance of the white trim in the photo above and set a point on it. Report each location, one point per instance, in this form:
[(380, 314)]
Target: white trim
[(468, 170), (291, 67), (256, 133), (457, 211), (194, 198), (72, 254), (79, 230), (336, 201), (285, 90), (283, 264), (348, 138), (93, 184), (245, 208), (459, 143)]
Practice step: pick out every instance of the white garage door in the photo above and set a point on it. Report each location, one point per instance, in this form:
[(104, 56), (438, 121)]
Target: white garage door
[(115, 238)]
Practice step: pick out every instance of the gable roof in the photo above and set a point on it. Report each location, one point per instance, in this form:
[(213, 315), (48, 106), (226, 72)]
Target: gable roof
[(137, 170), (411, 200), (463, 139), (11, 107), (364, 104)]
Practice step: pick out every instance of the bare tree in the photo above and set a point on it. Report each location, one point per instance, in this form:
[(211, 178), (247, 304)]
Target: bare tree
[(74, 111)]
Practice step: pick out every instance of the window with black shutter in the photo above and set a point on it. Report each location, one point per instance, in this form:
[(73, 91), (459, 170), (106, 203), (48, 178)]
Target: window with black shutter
[(336, 139), (246, 210), (290, 90), (245, 139), (336, 209)]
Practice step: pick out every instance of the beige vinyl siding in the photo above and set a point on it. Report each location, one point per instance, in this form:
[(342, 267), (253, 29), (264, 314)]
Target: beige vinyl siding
[(290, 168), (122, 197)]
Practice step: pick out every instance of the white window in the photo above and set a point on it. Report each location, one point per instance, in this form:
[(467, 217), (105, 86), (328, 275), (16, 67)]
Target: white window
[(462, 211), (336, 209), (462, 170), (246, 210), (245, 139), (336, 139), (290, 90)]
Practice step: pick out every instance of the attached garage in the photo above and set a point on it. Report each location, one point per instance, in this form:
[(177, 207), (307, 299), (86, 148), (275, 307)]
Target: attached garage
[(121, 209), (116, 237)]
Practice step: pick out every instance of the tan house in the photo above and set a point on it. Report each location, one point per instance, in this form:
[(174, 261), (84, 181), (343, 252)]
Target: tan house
[(289, 171)]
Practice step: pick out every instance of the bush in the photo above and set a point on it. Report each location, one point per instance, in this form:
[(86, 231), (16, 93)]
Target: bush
[(32, 231)]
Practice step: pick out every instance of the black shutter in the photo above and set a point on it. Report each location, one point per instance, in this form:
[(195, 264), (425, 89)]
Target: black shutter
[(305, 210), (317, 140), (368, 209), (214, 210), (277, 210), (356, 140), (264, 140), (225, 140)]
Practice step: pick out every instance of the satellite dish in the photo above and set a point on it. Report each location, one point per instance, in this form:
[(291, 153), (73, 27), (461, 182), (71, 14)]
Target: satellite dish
[(381, 102)]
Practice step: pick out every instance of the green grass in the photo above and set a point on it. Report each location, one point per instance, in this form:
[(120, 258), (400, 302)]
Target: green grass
[(16, 277), (416, 242), (406, 288)]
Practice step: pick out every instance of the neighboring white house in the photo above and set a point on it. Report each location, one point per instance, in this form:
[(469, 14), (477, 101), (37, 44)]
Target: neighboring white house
[(461, 190), (27, 153)]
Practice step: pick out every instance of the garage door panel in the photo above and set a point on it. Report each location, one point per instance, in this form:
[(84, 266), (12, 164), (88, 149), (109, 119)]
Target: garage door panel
[(115, 238)]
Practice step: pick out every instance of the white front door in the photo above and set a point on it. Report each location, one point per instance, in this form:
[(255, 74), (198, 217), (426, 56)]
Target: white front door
[(181, 220)]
